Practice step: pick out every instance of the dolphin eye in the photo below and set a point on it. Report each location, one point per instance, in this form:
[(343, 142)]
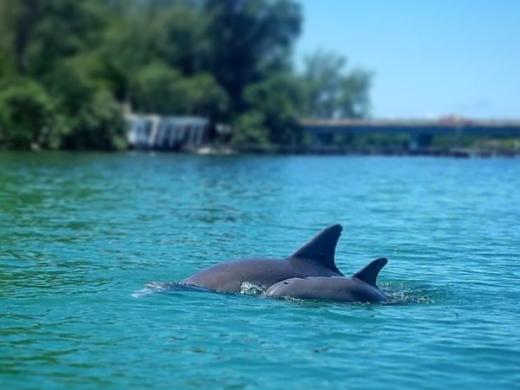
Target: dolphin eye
[(285, 282)]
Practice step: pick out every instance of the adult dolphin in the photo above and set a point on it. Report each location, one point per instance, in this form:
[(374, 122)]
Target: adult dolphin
[(361, 287), (316, 258)]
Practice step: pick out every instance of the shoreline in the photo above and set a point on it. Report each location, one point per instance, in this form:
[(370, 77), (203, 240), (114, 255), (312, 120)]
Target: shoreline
[(278, 150), (338, 151)]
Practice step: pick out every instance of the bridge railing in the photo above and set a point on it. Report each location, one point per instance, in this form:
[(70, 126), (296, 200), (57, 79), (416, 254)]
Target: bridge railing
[(420, 132)]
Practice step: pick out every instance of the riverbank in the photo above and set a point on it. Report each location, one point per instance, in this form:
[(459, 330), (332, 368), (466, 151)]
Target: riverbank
[(492, 148), (217, 149)]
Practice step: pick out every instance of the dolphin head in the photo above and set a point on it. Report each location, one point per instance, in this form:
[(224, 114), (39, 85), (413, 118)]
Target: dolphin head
[(288, 287)]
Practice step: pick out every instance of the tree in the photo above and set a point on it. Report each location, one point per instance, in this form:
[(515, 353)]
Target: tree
[(250, 130), (18, 22), (331, 92), (43, 32), (155, 89), (98, 125), (182, 39), (205, 96), (67, 67), (354, 99), (250, 40), (161, 89), (25, 115), (278, 99), (87, 115)]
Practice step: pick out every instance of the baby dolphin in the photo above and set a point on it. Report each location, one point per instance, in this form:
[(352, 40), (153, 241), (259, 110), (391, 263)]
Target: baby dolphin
[(316, 258), (361, 287)]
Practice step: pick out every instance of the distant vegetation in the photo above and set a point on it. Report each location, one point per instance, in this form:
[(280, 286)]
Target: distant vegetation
[(68, 67)]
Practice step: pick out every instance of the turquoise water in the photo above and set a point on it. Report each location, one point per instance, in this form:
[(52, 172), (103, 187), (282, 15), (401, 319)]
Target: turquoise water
[(81, 236)]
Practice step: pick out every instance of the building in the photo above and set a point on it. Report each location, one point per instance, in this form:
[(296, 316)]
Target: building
[(153, 132)]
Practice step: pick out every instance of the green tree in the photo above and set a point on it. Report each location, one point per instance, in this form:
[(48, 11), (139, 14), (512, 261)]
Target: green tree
[(88, 116), (68, 66), (26, 115), (98, 125), (42, 32), (181, 37), (161, 89), (250, 40), (156, 89), (205, 96), (129, 46), (18, 20), (250, 130), (331, 92), (279, 100)]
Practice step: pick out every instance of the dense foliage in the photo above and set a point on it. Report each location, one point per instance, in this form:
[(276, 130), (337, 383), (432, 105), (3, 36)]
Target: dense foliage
[(68, 67)]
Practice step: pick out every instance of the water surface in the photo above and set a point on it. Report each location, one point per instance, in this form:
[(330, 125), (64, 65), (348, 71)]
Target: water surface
[(81, 236)]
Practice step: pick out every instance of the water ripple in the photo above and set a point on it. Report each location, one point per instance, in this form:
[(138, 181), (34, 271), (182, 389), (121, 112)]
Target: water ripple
[(82, 235)]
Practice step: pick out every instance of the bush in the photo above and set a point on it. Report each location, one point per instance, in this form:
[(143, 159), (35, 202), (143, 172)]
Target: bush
[(160, 89), (249, 130), (26, 115), (157, 89), (204, 96), (98, 125), (278, 98), (88, 117)]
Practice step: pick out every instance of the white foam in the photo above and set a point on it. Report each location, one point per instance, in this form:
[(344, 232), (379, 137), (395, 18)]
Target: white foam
[(151, 288), (249, 288)]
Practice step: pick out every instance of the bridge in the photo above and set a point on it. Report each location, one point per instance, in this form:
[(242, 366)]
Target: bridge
[(420, 132), (154, 132)]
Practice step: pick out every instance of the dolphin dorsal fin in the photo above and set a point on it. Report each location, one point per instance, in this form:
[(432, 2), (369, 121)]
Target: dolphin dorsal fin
[(370, 272), (322, 247)]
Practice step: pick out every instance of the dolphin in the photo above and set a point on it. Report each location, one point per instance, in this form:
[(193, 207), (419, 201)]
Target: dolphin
[(316, 258), (361, 287)]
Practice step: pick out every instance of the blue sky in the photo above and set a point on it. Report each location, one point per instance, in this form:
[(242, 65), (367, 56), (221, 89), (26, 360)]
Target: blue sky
[(429, 58)]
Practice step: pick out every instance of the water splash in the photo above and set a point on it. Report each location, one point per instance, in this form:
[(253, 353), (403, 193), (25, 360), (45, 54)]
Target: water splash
[(399, 293), (248, 288), (153, 288), (158, 287), (405, 294)]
